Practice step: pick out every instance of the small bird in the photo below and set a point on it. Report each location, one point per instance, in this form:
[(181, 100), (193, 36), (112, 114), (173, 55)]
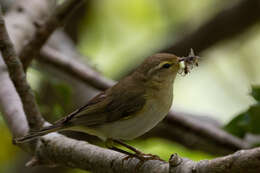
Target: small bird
[(127, 110)]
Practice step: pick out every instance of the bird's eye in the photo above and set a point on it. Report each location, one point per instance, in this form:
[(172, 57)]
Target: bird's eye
[(167, 65)]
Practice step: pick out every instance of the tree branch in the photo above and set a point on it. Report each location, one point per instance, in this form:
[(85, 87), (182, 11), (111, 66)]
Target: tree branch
[(217, 138), (21, 17), (18, 77), (227, 24), (75, 68), (45, 29), (57, 149), (196, 133), (242, 161), (19, 24), (10, 104)]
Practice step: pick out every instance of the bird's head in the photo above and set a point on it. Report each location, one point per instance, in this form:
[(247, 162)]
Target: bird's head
[(162, 68)]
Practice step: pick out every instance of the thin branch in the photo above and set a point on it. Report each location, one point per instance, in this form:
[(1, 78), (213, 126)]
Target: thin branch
[(216, 136), (10, 104), (196, 133), (20, 28), (18, 77), (44, 30), (227, 24), (21, 17), (75, 68)]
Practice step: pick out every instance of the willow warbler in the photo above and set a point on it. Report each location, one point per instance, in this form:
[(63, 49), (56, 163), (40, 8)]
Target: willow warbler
[(128, 109)]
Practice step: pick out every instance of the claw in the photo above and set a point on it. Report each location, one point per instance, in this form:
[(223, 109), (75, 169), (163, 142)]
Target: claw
[(142, 158), (152, 157), (127, 158)]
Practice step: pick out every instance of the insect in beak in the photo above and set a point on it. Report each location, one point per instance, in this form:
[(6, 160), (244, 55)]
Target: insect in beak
[(187, 63)]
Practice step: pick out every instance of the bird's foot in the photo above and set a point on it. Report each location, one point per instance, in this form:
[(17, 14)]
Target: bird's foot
[(142, 157)]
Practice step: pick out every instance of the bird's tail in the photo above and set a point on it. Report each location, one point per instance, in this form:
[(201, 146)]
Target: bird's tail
[(37, 133)]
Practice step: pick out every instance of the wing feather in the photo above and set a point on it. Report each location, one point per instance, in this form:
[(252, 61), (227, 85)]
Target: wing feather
[(117, 103)]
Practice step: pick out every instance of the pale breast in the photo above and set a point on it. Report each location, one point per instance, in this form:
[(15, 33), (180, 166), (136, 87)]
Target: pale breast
[(156, 108)]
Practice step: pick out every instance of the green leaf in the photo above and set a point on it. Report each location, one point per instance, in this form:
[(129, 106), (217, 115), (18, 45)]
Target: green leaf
[(256, 93), (248, 121), (238, 125), (254, 113)]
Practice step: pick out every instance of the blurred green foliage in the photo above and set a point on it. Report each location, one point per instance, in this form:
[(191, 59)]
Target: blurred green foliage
[(127, 31), (117, 35), (256, 93), (8, 152), (53, 95), (248, 121), (165, 148)]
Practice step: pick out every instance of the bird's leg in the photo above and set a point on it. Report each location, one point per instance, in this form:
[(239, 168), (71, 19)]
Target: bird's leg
[(110, 145), (127, 146), (137, 154)]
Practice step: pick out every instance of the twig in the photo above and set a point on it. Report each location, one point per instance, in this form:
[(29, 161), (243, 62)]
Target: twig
[(44, 30), (77, 69), (215, 135), (195, 139), (18, 77), (227, 24), (10, 104)]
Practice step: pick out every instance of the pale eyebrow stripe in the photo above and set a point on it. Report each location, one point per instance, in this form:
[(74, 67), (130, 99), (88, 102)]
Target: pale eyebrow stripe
[(158, 67)]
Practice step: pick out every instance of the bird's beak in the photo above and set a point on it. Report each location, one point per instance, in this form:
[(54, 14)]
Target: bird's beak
[(181, 61), (186, 63)]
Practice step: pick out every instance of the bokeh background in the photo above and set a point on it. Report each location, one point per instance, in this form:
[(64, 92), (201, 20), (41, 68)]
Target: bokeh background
[(116, 35)]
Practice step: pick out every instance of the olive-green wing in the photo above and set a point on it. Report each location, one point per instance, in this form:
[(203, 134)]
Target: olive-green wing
[(125, 105), (92, 110), (121, 101), (106, 108)]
